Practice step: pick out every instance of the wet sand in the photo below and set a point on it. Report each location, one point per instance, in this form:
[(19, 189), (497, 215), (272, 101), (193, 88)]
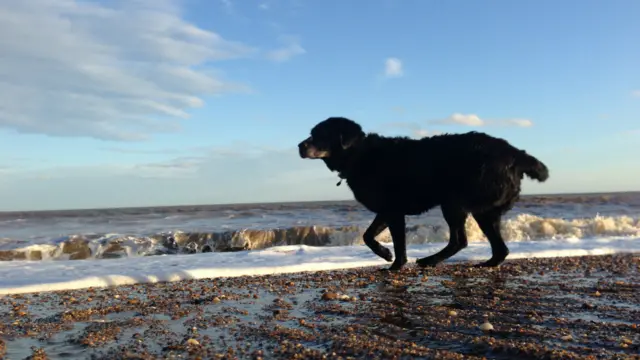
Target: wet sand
[(562, 308)]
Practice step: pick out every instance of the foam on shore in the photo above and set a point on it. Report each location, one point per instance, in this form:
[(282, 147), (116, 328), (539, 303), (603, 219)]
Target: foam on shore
[(29, 276)]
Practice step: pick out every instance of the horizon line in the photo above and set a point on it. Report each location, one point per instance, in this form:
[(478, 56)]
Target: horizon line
[(283, 202)]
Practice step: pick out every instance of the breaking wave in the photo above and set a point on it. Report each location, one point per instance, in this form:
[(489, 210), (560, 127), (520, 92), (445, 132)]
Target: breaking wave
[(524, 227)]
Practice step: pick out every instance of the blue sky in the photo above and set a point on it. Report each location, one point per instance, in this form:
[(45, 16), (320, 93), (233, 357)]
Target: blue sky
[(163, 102)]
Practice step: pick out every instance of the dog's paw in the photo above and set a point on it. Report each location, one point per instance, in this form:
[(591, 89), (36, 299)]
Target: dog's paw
[(385, 253), (396, 266), (428, 261)]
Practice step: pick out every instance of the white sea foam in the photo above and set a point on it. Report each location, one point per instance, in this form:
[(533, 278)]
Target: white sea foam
[(522, 227), (35, 276)]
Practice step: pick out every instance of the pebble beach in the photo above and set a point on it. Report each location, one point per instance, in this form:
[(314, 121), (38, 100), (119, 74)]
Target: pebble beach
[(545, 308)]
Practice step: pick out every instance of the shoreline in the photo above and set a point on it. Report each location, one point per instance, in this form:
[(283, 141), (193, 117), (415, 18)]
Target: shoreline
[(30, 276), (559, 308)]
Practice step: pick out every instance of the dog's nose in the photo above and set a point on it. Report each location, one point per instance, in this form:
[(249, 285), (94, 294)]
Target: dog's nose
[(302, 148)]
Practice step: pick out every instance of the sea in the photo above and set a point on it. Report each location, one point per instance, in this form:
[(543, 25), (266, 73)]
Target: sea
[(105, 234)]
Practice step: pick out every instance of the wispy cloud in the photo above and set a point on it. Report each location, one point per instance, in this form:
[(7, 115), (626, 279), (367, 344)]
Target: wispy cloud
[(393, 68), (475, 121), (415, 130), (515, 122), (635, 93), (463, 119), (258, 176), (421, 133), (228, 5), (290, 49), (124, 150), (109, 70)]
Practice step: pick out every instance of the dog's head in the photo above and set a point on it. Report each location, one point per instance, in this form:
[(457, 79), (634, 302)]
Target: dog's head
[(330, 138)]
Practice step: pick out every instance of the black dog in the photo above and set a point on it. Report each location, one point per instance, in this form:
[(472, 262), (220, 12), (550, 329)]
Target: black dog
[(471, 173)]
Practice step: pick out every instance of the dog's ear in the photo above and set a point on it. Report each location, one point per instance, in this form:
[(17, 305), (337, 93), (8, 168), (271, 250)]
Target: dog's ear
[(349, 142), (350, 134)]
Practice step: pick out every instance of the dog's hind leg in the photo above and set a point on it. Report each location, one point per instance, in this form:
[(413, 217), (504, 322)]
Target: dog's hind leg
[(397, 228), (489, 223), (456, 219), (377, 226)]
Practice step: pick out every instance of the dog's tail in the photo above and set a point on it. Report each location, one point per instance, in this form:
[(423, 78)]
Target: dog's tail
[(531, 166)]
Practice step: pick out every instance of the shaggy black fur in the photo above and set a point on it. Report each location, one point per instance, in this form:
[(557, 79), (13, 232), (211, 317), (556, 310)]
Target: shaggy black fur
[(471, 173)]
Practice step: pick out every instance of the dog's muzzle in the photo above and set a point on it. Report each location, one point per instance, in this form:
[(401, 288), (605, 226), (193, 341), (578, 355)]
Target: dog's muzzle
[(303, 149), (308, 150)]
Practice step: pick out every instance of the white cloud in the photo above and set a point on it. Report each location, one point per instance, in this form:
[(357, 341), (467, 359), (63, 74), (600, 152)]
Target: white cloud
[(476, 121), (462, 119), (420, 133), (635, 93), (264, 6), (290, 49), (115, 70), (393, 67), (517, 122)]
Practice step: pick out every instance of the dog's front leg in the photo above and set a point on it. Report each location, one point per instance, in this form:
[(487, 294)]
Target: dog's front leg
[(377, 226), (397, 227)]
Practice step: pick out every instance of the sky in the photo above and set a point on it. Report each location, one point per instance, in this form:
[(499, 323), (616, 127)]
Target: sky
[(166, 102)]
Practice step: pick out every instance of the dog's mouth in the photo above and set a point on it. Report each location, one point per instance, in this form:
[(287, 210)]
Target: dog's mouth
[(309, 151), (313, 153)]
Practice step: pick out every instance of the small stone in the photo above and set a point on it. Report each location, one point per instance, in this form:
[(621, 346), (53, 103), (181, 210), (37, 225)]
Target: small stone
[(625, 340), (193, 342), (587, 306), (453, 313), (597, 293), (486, 326), (216, 300), (567, 338), (329, 296)]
